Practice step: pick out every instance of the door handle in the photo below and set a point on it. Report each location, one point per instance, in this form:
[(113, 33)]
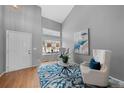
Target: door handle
[(29, 51)]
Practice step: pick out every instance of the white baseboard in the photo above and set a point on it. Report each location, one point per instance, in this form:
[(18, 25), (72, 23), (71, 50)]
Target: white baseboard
[(116, 79), (1, 74), (35, 65), (21, 68)]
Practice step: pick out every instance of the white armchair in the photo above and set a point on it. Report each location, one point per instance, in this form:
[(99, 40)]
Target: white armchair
[(97, 77)]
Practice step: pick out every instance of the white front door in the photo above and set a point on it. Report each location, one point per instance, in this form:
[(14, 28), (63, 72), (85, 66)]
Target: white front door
[(18, 50)]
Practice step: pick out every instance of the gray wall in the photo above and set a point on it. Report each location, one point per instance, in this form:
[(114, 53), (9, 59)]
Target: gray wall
[(53, 25), (25, 18), (1, 40), (50, 24), (106, 25)]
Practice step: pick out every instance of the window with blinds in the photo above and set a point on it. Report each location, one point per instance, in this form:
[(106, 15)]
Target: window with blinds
[(51, 41)]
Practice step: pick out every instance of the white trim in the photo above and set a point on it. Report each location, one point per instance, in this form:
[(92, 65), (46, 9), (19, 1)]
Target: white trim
[(20, 69), (1, 74), (36, 65), (117, 79), (7, 62)]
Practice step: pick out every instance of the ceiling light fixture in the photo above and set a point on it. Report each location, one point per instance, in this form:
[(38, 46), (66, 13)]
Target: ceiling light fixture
[(15, 6)]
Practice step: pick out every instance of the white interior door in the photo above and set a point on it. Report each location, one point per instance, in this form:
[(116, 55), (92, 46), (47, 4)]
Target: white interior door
[(18, 50)]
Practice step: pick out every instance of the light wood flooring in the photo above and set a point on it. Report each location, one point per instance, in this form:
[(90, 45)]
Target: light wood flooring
[(25, 78)]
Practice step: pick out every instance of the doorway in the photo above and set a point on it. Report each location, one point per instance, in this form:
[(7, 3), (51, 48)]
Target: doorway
[(18, 50)]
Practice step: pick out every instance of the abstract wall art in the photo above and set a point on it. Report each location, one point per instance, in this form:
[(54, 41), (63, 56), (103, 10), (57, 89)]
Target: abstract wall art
[(81, 42)]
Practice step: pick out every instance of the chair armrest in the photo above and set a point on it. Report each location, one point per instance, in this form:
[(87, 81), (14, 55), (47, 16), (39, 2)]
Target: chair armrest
[(95, 71), (85, 63), (99, 74), (84, 67)]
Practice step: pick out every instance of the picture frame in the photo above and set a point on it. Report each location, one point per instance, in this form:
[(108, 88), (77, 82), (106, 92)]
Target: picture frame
[(82, 42)]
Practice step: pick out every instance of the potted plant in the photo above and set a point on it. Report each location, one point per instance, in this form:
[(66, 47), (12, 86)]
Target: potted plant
[(65, 56)]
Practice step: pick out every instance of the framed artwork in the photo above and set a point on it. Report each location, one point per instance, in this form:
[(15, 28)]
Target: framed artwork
[(81, 42)]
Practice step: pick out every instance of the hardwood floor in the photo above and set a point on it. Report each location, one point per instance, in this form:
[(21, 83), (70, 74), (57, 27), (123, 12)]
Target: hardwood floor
[(26, 78)]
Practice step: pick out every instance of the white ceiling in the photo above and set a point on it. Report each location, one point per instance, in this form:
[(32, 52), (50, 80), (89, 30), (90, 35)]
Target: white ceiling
[(56, 12)]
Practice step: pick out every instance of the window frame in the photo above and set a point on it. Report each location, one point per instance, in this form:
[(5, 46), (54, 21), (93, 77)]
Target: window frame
[(52, 40)]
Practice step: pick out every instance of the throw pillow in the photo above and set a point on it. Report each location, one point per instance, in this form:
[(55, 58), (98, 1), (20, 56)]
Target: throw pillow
[(94, 65)]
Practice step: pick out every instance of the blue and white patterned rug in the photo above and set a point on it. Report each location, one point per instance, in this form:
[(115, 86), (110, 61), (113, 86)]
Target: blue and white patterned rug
[(50, 78)]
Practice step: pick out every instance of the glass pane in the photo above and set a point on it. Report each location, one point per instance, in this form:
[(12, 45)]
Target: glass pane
[(51, 32), (50, 46)]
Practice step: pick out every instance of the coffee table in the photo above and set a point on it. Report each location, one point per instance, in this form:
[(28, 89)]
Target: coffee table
[(65, 67)]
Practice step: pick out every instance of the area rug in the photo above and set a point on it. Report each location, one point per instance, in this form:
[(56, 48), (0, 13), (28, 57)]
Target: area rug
[(51, 77)]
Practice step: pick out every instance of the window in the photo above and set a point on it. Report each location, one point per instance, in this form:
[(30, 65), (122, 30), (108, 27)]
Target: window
[(51, 41), (51, 46), (51, 32)]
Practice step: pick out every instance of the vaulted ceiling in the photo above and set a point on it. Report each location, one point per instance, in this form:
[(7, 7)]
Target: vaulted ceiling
[(56, 12)]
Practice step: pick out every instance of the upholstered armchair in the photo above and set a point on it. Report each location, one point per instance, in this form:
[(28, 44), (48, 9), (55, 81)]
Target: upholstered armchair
[(97, 77)]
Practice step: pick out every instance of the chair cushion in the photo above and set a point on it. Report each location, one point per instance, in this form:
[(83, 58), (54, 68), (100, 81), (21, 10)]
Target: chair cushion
[(94, 65)]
